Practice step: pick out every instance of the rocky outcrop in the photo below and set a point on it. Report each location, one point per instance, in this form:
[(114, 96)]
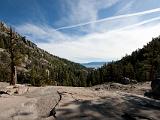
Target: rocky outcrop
[(127, 81), (36, 104), (16, 89), (87, 104), (79, 103)]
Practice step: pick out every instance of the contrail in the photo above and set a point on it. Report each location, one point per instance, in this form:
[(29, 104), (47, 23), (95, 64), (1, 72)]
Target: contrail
[(141, 23), (110, 18)]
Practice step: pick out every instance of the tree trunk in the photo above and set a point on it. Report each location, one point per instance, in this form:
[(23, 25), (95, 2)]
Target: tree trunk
[(13, 75)]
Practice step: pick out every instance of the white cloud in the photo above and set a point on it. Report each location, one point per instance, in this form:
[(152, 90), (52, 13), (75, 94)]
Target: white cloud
[(103, 46)]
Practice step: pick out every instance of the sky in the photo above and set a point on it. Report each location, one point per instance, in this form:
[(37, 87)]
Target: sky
[(85, 30)]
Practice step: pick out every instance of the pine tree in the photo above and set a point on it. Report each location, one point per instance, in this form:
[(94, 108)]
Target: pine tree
[(12, 56)]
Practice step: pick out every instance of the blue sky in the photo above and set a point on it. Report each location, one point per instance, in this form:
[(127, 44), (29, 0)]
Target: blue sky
[(85, 30)]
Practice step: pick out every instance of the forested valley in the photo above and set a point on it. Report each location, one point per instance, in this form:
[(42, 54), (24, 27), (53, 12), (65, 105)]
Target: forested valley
[(37, 67)]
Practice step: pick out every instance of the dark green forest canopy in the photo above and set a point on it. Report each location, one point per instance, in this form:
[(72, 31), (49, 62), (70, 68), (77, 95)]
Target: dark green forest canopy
[(38, 67)]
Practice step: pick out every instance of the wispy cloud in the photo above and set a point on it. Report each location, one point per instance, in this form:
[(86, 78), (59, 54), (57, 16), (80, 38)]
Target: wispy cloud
[(41, 33), (104, 46), (126, 8), (82, 11), (141, 23)]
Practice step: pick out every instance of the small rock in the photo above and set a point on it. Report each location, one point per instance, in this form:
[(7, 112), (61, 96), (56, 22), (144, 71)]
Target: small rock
[(134, 81), (97, 89)]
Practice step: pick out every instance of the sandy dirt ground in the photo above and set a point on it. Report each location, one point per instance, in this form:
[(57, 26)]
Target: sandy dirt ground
[(110, 101)]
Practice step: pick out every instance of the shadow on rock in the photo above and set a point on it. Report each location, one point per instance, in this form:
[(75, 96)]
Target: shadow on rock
[(127, 107)]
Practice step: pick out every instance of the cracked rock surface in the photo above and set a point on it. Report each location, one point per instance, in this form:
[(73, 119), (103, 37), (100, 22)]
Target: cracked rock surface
[(78, 103)]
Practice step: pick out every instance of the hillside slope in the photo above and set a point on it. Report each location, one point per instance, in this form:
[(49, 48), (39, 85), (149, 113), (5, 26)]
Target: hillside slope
[(36, 66), (142, 65)]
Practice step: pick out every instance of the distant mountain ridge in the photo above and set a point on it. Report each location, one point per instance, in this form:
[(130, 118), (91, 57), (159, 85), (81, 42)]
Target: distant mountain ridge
[(94, 64)]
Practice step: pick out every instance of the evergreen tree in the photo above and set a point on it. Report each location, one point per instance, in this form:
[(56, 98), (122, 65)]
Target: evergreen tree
[(2, 43), (15, 56)]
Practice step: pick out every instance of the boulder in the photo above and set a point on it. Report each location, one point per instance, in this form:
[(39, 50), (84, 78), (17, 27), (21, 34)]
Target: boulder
[(125, 81), (155, 85)]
